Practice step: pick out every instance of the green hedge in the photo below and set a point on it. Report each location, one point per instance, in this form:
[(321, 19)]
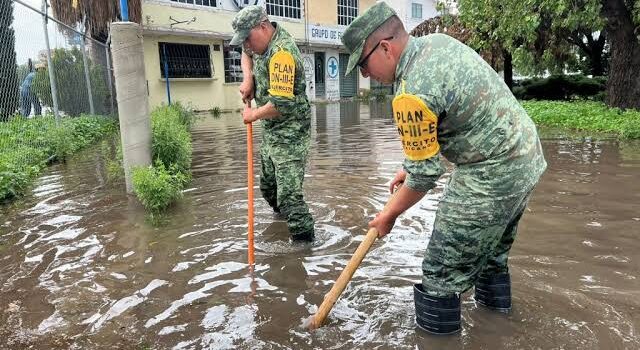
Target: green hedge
[(561, 87), (160, 185), (585, 115), (28, 144)]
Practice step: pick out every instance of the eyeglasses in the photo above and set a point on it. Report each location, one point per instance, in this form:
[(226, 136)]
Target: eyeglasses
[(363, 62)]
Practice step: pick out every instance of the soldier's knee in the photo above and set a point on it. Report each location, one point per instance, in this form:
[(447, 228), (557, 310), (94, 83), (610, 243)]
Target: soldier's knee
[(445, 277)]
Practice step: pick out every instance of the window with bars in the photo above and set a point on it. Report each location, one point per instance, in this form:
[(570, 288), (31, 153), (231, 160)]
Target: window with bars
[(416, 11), (347, 11), (283, 8), (210, 3), (184, 60), (232, 63)]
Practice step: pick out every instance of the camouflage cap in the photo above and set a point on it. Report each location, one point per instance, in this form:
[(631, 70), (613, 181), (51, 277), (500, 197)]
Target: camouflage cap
[(244, 21), (359, 30)]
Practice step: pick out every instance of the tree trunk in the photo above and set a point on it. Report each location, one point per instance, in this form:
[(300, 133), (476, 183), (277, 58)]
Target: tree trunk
[(596, 50), (595, 60), (508, 69), (623, 85)]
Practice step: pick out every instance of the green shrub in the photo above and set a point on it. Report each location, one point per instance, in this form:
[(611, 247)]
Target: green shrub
[(157, 187), (561, 87), (171, 141), (379, 94), (17, 169)]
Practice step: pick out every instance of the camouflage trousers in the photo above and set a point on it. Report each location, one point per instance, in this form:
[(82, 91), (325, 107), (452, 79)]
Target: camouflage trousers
[(281, 185), (472, 236)]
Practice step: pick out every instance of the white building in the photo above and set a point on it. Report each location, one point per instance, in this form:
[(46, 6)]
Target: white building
[(413, 12)]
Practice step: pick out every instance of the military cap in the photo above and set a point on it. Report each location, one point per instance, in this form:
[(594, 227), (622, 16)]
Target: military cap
[(244, 21), (357, 33)]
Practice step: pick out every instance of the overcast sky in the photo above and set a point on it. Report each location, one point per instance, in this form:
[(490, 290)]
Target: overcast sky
[(29, 31)]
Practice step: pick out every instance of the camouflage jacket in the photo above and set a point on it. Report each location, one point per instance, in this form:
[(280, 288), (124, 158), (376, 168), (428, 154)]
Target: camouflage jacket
[(481, 127), (293, 125)]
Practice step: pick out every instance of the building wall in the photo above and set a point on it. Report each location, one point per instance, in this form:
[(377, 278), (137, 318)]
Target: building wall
[(319, 11), (326, 11), (202, 94), (209, 21), (210, 26), (403, 8)]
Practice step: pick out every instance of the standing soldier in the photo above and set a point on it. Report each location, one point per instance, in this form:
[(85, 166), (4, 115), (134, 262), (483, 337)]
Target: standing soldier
[(273, 74), (450, 103)]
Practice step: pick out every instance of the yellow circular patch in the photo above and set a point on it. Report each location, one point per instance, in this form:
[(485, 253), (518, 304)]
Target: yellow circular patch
[(282, 74), (417, 126)]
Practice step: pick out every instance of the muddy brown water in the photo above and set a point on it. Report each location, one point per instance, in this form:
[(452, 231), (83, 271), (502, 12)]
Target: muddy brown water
[(81, 267)]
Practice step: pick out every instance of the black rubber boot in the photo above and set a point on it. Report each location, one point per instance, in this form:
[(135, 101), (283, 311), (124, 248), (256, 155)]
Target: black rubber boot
[(303, 237), (436, 315), (494, 292), (278, 215)]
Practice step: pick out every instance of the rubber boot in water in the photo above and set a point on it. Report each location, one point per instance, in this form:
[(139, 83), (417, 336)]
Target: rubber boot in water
[(494, 292), (436, 315)]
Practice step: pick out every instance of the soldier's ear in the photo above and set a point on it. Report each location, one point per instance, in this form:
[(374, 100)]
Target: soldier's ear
[(386, 47)]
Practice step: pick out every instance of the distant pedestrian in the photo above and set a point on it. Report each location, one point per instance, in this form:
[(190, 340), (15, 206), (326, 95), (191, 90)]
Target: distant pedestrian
[(27, 95)]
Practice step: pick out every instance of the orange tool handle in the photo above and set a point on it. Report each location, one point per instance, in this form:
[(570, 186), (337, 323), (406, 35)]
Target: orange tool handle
[(250, 189)]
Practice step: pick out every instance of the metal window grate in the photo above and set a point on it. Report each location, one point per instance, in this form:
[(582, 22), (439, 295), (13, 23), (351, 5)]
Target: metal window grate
[(232, 63), (185, 60), (347, 11), (210, 3), (284, 8)]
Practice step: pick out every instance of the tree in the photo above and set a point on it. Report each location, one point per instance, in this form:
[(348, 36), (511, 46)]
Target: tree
[(9, 85), (99, 14), (512, 29), (623, 27), (71, 83), (535, 34), (452, 26), (593, 49), (547, 35), (567, 31)]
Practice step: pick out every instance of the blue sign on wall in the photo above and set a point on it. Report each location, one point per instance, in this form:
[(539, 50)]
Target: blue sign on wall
[(332, 67)]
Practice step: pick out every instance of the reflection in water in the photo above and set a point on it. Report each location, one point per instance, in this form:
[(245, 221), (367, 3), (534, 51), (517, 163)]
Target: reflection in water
[(81, 268)]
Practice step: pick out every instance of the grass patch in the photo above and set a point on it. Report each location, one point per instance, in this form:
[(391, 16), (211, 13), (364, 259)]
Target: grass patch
[(585, 115), (159, 185), (27, 145)]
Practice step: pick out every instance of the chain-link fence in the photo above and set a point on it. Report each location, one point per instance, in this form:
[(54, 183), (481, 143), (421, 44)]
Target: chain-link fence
[(47, 67), (50, 73)]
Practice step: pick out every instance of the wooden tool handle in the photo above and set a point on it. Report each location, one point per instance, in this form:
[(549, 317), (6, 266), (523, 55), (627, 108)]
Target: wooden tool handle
[(345, 277)]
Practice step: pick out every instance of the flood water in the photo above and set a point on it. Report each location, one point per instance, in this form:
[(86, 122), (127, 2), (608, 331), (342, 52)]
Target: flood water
[(82, 268)]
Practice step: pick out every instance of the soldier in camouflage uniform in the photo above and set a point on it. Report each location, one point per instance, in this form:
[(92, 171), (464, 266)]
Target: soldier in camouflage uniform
[(274, 76), (451, 104)]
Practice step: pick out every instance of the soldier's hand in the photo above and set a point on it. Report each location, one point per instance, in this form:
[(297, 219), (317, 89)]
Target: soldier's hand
[(246, 90), (398, 180), (248, 116), (383, 223)]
